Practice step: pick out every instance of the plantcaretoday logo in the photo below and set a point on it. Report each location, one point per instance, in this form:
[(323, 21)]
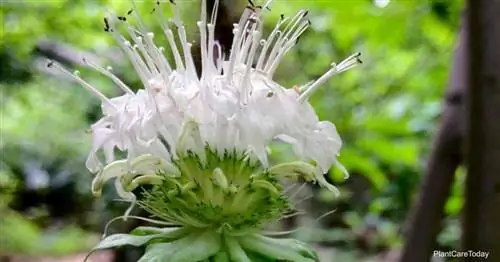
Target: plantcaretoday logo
[(456, 253)]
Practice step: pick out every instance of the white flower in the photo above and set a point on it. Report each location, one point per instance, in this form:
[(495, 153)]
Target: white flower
[(232, 106)]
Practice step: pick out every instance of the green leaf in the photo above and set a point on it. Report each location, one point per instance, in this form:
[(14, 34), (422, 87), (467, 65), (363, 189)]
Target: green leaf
[(278, 248), (124, 239), (220, 257), (391, 151), (257, 257), (161, 251), (236, 252), (194, 247), (386, 126), (147, 230), (357, 163), (117, 240)]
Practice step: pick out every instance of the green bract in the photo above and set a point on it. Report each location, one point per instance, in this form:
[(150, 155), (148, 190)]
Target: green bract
[(226, 194), (218, 205)]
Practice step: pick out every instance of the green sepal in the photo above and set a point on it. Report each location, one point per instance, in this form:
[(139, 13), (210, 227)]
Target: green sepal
[(257, 257), (236, 252), (278, 248), (192, 248), (167, 232), (117, 240), (220, 257), (294, 170)]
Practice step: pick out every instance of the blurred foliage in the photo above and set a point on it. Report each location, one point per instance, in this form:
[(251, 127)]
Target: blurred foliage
[(385, 111), (23, 236)]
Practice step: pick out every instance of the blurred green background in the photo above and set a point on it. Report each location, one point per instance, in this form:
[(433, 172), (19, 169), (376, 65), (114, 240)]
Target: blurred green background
[(386, 112)]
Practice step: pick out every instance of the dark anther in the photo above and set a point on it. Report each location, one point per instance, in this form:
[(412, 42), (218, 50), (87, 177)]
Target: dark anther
[(50, 63), (152, 11), (157, 2), (359, 60), (306, 13), (358, 54), (250, 7), (106, 24), (251, 3), (260, 7), (282, 17), (172, 2), (123, 18), (297, 41), (130, 11), (309, 22)]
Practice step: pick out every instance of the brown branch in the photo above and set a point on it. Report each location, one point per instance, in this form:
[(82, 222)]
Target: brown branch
[(228, 14), (481, 227), (64, 53), (445, 157)]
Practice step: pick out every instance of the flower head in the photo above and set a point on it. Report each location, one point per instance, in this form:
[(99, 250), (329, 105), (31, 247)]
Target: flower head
[(202, 140)]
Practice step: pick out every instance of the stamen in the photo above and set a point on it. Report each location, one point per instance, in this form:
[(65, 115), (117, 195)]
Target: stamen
[(282, 42), (137, 62), (345, 65), (190, 62), (267, 4), (75, 76), (171, 41), (181, 31), (235, 46), (212, 60), (142, 28), (159, 59), (299, 17), (269, 41), (107, 73), (246, 85), (247, 41), (139, 44), (106, 24), (353, 59), (203, 48), (286, 47), (139, 65), (203, 37), (215, 12)]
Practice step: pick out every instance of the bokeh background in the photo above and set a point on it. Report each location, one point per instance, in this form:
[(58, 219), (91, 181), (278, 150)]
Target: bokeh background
[(386, 111)]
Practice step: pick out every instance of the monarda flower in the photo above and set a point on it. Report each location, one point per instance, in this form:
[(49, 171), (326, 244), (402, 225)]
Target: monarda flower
[(200, 143)]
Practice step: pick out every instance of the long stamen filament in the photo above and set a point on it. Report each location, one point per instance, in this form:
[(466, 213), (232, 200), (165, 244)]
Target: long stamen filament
[(347, 64)]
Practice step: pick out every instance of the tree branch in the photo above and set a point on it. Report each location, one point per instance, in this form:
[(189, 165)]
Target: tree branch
[(481, 230), (445, 157), (70, 56)]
